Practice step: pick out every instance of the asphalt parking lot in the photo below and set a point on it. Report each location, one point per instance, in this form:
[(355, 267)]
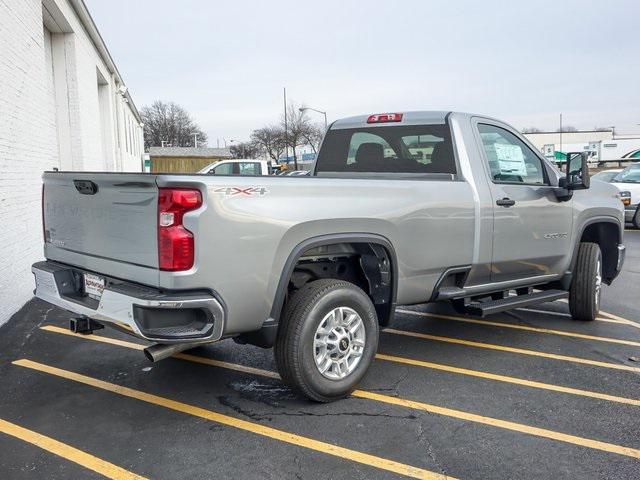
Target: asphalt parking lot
[(526, 394)]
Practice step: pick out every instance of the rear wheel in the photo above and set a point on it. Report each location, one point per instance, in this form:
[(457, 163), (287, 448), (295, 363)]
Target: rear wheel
[(327, 339), (585, 291)]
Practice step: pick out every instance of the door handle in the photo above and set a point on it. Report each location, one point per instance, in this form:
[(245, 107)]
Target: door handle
[(505, 202)]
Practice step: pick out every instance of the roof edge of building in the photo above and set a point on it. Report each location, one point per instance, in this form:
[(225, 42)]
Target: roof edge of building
[(574, 131), (94, 34)]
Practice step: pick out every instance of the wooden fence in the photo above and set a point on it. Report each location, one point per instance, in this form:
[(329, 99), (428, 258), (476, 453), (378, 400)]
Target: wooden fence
[(179, 164)]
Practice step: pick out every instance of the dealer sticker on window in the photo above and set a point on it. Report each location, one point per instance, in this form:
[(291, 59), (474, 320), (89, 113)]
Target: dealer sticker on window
[(93, 286), (510, 159)]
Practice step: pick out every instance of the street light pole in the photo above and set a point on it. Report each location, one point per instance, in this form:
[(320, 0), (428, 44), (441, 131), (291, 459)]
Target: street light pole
[(302, 109), (286, 131)]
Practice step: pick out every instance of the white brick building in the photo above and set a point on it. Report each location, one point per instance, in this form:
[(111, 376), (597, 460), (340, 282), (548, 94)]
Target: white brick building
[(63, 104)]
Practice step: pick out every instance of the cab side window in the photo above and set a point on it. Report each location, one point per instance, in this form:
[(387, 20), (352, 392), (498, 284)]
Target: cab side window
[(510, 159), (224, 169)]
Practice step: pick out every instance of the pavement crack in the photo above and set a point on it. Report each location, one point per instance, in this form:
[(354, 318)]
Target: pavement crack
[(227, 402), (230, 403), (422, 438), (392, 390), (344, 414)]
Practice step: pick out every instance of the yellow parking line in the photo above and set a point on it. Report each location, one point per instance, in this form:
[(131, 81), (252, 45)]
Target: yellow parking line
[(182, 356), (507, 379), (458, 414), (494, 422), (567, 315), (610, 315), (521, 327), (67, 452), (621, 319), (521, 351), (256, 428), (379, 356)]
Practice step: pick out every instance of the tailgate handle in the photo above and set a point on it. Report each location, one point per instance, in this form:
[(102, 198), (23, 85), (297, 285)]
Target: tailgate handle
[(86, 187)]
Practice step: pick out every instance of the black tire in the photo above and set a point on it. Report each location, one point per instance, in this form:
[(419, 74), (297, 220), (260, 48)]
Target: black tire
[(636, 218), (294, 349), (584, 294)]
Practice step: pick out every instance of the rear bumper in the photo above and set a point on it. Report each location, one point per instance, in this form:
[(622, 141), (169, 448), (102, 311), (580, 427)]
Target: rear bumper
[(148, 313)]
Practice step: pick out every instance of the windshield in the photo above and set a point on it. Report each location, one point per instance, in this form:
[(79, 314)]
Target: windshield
[(604, 176), (631, 174)]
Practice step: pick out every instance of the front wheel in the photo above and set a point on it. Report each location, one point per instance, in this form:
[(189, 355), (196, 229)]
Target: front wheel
[(636, 218), (327, 339), (585, 291)]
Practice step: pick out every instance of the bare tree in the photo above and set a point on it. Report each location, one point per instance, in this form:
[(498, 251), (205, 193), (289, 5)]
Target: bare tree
[(168, 122), (297, 126), (270, 140), (531, 130), (313, 135), (300, 131), (567, 128), (245, 150)]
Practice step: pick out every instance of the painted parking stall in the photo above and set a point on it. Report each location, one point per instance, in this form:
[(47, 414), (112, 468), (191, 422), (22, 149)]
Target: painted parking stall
[(528, 393)]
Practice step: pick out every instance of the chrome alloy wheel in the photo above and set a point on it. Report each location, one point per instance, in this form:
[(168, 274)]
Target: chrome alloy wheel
[(598, 283), (339, 343)]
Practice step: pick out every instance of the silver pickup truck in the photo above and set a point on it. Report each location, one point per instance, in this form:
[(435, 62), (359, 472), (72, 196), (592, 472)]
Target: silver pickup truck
[(401, 208)]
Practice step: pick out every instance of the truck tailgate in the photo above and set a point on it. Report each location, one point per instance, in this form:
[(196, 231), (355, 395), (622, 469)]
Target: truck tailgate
[(95, 220)]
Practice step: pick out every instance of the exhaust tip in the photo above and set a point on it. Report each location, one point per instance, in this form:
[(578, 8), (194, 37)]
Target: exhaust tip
[(159, 351), (149, 355)]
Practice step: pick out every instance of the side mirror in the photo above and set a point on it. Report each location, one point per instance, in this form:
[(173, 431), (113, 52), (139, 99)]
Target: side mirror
[(577, 177)]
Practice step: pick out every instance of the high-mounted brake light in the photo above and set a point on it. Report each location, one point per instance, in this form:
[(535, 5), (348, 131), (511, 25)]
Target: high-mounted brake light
[(384, 118), (175, 243)]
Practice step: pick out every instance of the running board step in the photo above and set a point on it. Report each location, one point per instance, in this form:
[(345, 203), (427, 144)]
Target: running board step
[(494, 306)]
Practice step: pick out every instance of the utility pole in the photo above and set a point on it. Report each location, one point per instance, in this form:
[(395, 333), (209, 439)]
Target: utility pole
[(195, 140), (286, 128), (561, 132)]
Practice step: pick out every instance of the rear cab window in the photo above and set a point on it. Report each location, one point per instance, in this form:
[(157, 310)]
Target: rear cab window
[(249, 168), (412, 150)]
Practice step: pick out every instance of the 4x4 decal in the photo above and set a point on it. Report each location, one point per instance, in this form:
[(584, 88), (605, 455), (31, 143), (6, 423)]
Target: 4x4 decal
[(236, 191)]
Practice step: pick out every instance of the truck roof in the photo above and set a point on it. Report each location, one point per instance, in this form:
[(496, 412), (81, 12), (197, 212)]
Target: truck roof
[(408, 118)]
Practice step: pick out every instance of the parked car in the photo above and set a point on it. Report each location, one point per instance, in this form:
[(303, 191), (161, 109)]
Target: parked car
[(239, 167), (315, 266), (297, 173), (628, 182), (606, 175)]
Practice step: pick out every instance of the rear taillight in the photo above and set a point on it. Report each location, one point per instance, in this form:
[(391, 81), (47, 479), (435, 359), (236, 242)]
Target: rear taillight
[(384, 118), (175, 243)]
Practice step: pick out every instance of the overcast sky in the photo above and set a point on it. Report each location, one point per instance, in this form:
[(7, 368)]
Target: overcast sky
[(521, 61)]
